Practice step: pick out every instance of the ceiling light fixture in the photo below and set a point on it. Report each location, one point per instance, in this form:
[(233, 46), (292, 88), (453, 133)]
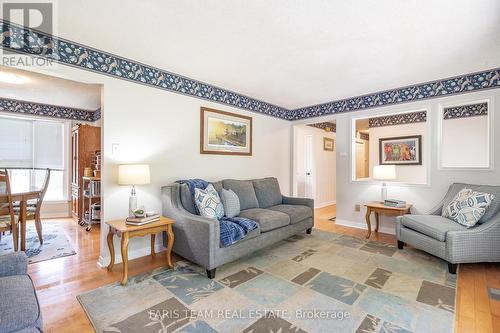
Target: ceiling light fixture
[(11, 78)]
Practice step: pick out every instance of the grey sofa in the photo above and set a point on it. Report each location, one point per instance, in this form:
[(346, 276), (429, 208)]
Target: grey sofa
[(197, 238), (19, 308), (449, 240)]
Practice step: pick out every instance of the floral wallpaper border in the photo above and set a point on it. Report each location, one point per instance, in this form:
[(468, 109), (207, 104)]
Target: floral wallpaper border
[(398, 119), (47, 110), (465, 111), (326, 125), (78, 55)]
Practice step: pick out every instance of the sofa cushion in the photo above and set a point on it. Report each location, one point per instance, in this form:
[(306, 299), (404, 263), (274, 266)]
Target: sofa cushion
[(18, 306), (268, 192), (434, 226), (267, 219), (468, 207), (230, 202), (245, 192), (296, 213), (494, 206)]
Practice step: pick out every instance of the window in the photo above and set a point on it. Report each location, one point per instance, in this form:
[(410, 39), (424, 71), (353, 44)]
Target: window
[(27, 147)]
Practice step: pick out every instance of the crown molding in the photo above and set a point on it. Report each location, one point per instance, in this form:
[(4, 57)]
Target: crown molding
[(77, 55), (47, 110)]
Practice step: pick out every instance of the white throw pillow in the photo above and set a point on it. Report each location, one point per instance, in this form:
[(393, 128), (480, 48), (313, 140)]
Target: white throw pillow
[(468, 207), (208, 202), (231, 202)]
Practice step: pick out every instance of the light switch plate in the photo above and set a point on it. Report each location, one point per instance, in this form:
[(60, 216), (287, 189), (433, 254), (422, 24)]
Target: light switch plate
[(115, 149)]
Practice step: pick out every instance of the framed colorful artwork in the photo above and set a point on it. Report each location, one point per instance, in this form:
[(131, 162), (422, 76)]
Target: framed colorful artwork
[(403, 150), (328, 144), (225, 133)]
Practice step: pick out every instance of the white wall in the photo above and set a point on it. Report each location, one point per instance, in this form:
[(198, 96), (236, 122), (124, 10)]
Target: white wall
[(413, 174), (324, 172), (465, 142), (424, 197), (162, 129)]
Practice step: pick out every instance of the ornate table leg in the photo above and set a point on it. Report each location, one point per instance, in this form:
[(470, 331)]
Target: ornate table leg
[(125, 257), (368, 212), (111, 249), (170, 244), (377, 219), (153, 238)]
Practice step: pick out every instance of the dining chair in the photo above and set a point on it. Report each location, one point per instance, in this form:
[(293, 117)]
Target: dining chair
[(34, 207), (8, 220)]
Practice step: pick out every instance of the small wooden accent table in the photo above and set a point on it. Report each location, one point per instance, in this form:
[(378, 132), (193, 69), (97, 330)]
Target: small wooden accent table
[(380, 209), (126, 231)]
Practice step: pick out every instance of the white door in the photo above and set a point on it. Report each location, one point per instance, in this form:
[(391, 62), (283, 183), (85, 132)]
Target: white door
[(309, 163), (360, 160)]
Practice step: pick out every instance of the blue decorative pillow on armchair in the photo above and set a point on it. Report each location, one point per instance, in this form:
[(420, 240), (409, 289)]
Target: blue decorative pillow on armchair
[(468, 207), (208, 202)]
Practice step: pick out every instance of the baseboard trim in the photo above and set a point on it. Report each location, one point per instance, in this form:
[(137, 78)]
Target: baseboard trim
[(324, 204), (103, 261), (358, 225)]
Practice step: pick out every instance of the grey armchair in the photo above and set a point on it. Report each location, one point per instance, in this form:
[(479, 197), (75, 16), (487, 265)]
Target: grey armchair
[(19, 308), (451, 241)]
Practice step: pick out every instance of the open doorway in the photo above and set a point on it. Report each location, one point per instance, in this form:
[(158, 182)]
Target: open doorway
[(315, 165), (50, 148)]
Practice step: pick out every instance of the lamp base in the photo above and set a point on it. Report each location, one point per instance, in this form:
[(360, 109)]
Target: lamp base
[(383, 193), (132, 202)]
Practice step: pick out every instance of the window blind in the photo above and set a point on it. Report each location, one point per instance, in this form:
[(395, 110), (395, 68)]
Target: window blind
[(48, 145), (16, 142)]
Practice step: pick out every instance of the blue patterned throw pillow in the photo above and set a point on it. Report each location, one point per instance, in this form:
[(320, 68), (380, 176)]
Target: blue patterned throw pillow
[(208, 202), (468, 207)]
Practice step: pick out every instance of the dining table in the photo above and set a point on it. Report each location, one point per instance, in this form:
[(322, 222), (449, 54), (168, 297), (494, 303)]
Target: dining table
[(22, 195)]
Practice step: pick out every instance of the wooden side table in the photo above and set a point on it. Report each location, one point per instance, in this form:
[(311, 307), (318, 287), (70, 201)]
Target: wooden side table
[(126, 231), (380, 209)]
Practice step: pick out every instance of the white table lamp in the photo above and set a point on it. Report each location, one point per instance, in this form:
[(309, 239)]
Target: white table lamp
[(133, 174), (384, 173)]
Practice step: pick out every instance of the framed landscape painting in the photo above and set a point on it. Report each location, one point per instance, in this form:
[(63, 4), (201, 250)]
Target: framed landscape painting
[(403, 150), (225, 133)]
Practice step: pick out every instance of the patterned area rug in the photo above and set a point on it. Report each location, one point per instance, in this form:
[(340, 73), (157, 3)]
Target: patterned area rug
[(55, 243), (323, 282)]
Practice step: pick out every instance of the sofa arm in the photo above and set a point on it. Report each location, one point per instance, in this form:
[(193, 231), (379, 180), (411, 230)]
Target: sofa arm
[(196, 237), (298, 201), (13, 264)]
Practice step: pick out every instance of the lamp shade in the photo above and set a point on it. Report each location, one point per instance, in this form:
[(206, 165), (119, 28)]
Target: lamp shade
[(133, 174), (384, 172)]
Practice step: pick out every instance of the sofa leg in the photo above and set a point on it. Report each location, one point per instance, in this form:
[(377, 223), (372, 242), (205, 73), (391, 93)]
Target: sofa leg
[(211, 273), (308, 231), (401, 245), (452, 268)]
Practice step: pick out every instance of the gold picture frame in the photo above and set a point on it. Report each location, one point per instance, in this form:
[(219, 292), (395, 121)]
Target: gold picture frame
[(328, 144), (225, 133)]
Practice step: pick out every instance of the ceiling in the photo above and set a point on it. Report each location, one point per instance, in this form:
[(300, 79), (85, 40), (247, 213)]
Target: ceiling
[(51, 90), (294, 53)]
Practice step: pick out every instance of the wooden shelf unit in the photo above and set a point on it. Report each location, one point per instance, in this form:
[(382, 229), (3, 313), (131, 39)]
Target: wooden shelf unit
[(85, 141)]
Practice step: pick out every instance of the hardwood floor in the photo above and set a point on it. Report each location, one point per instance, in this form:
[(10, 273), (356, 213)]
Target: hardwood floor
[(59, 281)]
